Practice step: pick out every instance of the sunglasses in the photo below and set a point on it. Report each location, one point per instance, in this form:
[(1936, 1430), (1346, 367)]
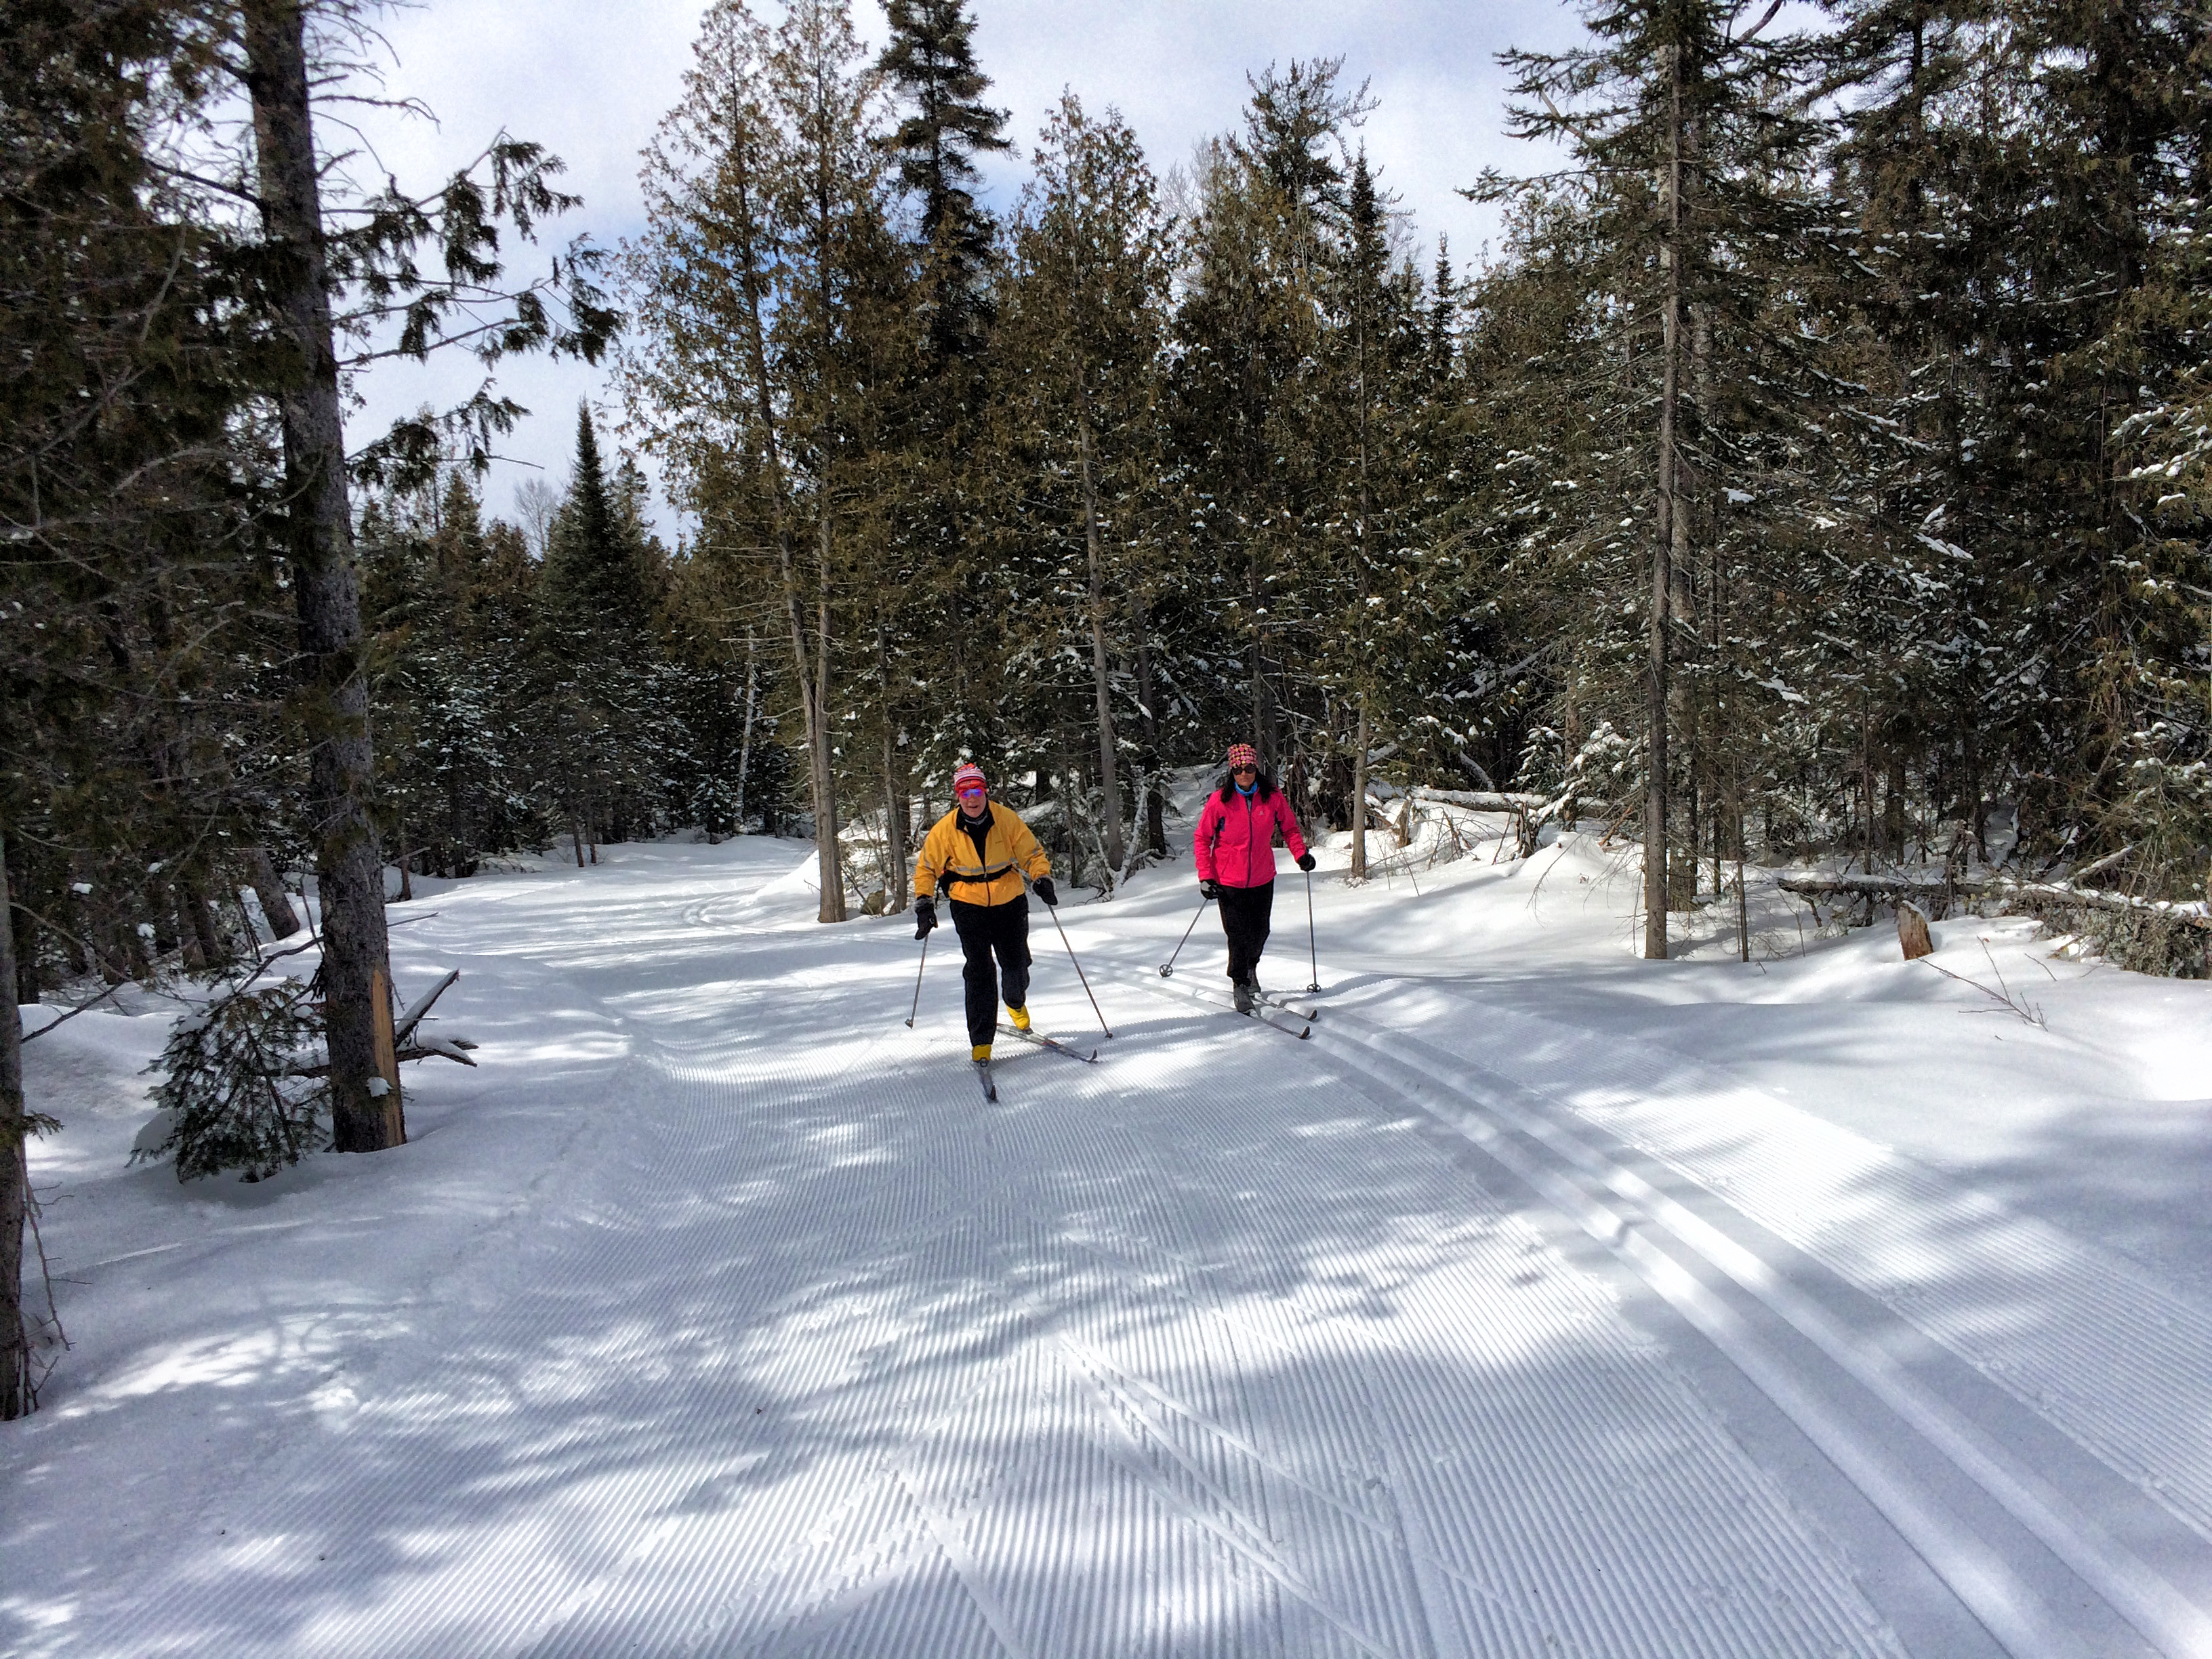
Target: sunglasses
[(1254, 771), (973, 791)]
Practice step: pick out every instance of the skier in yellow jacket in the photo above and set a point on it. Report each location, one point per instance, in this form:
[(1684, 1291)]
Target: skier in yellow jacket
[(977, 854)]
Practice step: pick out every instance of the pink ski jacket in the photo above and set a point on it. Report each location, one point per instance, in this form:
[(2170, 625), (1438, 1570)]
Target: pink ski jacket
[(1236, 841)]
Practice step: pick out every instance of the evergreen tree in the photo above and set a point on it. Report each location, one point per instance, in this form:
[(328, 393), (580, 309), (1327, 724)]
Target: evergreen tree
[(1249, 408), (931, 62), (1080, 353), (1691, 161), (777, 347), (596, 576)]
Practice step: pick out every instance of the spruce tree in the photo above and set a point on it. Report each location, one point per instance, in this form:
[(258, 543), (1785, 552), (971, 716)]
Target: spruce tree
[(596, 579), (776, 346), (1689, 152), (931, 62), (1081, 346), (1250, 407)]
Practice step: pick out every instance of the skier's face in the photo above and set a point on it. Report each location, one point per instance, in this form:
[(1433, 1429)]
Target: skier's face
[(972, 800)]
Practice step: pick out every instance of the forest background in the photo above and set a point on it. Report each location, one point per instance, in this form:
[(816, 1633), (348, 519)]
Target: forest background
[(1816, 468)]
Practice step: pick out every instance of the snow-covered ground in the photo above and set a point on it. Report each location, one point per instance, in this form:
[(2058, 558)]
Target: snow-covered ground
[(1544, 1302)]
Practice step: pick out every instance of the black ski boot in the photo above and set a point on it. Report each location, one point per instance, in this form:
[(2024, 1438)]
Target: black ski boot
[(1246, 994)]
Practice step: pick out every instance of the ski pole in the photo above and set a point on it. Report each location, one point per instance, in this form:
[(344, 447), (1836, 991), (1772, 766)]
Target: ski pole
[(1167, 967), (917, 979), (1313, 952), (1079, 974)]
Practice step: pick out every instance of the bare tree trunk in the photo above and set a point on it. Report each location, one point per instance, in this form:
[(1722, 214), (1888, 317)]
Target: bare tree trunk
[(1977, 816), (746, 743), (348, 871), (214, 953), (1662, 545), (1866, 782), (1743, 895), (1155, 796), (1250, 468), (813, 677), (1109, 781), (275, 903), (894, 794), (1365, 740), (1360, 741), (18, 879), (14, 1186), (829, 852), (1892, 806)]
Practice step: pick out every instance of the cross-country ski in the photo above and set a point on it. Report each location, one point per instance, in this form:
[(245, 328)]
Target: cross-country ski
[(1269, 999), (1089, 1056), (1254, 1008)]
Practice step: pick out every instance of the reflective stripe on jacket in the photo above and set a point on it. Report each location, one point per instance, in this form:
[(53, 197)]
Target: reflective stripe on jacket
[(948, 852), (1235, 843)]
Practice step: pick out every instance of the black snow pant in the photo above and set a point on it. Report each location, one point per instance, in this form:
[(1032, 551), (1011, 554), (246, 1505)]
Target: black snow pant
[(985, 929), (1244, 913)]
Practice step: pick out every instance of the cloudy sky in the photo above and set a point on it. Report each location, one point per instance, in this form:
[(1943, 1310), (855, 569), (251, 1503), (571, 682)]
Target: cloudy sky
[(590, 78)]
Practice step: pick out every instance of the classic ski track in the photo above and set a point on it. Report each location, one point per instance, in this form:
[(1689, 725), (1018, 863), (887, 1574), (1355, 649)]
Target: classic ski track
[(2115, 1353), (1259, 1122), (1506, 1583), (2136, 1590), (1209, 1509), (299, 1509), (1250, 1476)]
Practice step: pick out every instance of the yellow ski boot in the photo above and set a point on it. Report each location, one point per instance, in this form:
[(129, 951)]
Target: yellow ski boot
[(1019, 1016), (980, 1054)]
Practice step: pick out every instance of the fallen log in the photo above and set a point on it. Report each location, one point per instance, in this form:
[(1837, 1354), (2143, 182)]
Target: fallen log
[(2192, 915), (1479, 800), (1870, 886), (2054, 893)]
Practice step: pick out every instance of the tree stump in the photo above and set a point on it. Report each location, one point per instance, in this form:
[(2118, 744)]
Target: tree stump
[(1912, 935)]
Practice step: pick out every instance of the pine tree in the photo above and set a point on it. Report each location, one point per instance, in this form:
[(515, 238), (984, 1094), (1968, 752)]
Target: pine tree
[(596, 577), (931, 62), (775, 350), (1677, 118), (1081, 354), (1364, 261), (1249, 405)]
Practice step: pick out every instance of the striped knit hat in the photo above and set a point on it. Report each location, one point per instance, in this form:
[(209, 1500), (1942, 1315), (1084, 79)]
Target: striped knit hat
[(968, 774), (1242, 753)]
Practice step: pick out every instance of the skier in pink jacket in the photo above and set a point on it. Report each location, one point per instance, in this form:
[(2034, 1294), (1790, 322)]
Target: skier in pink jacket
[(1235, 846)]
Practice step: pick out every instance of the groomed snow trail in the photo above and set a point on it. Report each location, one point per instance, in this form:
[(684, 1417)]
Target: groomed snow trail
[(795, 1347)]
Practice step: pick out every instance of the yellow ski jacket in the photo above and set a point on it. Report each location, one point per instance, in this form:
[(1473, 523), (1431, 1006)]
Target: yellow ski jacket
[(1009, 850)]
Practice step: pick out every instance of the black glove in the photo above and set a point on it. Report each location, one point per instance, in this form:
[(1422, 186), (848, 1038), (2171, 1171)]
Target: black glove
[(925, 917), (1047, 891), (1306, 862), (1209, 889)]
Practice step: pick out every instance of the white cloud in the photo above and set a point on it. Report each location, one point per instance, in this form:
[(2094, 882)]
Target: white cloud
[(590, 81)]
